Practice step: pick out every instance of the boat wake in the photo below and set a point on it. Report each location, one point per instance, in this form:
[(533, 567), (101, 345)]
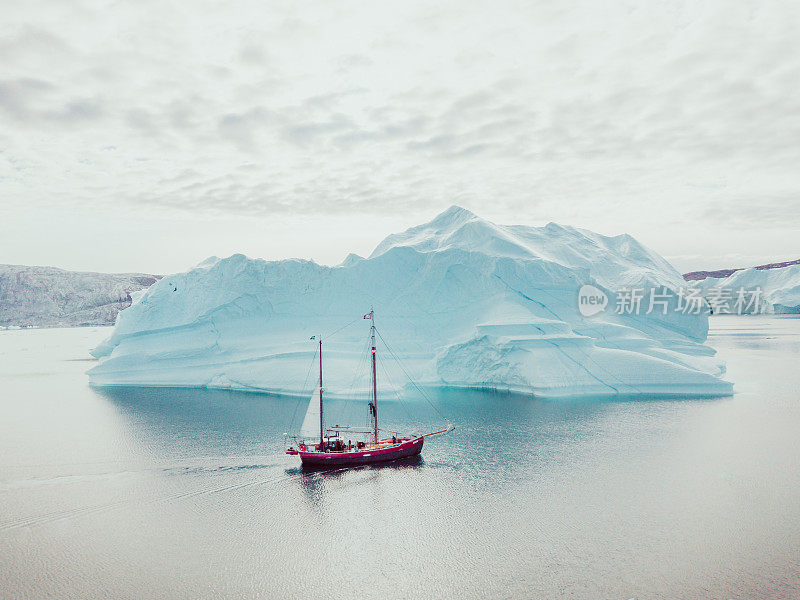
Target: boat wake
[(288, 475)]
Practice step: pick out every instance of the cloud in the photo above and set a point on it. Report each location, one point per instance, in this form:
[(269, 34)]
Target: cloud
[(624, 118), (240, 128), (17, 95), (771, 210), (77, 111), (253, 54), (305, 133), (30, 43), (35, 100)]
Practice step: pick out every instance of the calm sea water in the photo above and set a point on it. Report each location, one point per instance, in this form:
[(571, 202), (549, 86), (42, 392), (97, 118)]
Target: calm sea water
[(169, 493)]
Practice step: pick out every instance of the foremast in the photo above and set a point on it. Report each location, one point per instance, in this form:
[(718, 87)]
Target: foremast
[(374, 404), (321, 421)]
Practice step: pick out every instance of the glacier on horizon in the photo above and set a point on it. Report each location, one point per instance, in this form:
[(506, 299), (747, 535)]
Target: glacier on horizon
[(463, 302), (32, 296)]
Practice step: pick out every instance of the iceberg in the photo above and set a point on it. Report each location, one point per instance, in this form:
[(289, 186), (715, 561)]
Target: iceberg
[(459, 300), (779, 289)]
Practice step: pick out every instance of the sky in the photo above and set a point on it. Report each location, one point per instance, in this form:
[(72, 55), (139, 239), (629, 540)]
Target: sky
[(147, 136)]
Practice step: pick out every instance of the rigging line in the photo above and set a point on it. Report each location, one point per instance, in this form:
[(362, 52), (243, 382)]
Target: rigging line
[(351, 391), (414, 383), (330, 335), (305, 383), (397, 395)]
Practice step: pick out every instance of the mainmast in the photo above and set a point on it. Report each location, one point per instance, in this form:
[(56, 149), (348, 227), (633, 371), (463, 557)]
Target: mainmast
[(321, 427), (374, 379)]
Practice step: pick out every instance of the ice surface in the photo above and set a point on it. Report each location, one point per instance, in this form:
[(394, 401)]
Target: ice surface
[(780, 287), (462, 301)]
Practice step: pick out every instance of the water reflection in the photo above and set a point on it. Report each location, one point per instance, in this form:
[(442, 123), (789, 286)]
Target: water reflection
[(499, 437), (314, 481)]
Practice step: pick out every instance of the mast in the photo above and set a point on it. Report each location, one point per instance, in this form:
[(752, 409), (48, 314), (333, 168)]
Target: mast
[(374, 379), (321, 427)]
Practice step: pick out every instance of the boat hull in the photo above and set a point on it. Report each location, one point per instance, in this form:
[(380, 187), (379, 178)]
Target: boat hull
[(346, 459)]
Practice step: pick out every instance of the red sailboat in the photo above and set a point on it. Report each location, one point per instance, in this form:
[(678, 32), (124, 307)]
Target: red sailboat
[(329, 449)]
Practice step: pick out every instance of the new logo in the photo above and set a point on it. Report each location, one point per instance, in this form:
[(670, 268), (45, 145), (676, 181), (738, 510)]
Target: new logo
[(591, 300)]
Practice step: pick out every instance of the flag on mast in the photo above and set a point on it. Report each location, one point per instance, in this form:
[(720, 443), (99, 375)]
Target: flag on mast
[(368, 315)]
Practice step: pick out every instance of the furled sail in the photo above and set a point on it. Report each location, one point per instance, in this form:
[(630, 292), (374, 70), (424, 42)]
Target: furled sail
[(310, 427)]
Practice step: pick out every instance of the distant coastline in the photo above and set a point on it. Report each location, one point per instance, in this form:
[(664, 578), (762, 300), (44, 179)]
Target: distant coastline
[(723, 273), (38, 297)]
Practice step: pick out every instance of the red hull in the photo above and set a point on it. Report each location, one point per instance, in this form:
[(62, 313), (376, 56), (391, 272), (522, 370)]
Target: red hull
[(365, 457)]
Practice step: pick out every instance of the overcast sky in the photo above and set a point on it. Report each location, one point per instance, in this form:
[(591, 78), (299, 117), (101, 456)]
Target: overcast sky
[(149, 135)]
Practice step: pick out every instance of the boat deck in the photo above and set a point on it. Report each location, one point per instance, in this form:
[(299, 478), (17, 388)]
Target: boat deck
[(384, 450)]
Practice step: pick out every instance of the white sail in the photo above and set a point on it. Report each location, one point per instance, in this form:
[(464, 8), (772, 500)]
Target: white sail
[(310, 427)]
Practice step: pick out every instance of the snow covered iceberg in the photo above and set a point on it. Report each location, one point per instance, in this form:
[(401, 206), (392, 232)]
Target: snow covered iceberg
[(779, 290), (462, 301)]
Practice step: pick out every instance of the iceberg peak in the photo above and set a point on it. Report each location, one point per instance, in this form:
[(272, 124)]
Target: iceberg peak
[(612, 261), (430, 235), (454, 214)]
